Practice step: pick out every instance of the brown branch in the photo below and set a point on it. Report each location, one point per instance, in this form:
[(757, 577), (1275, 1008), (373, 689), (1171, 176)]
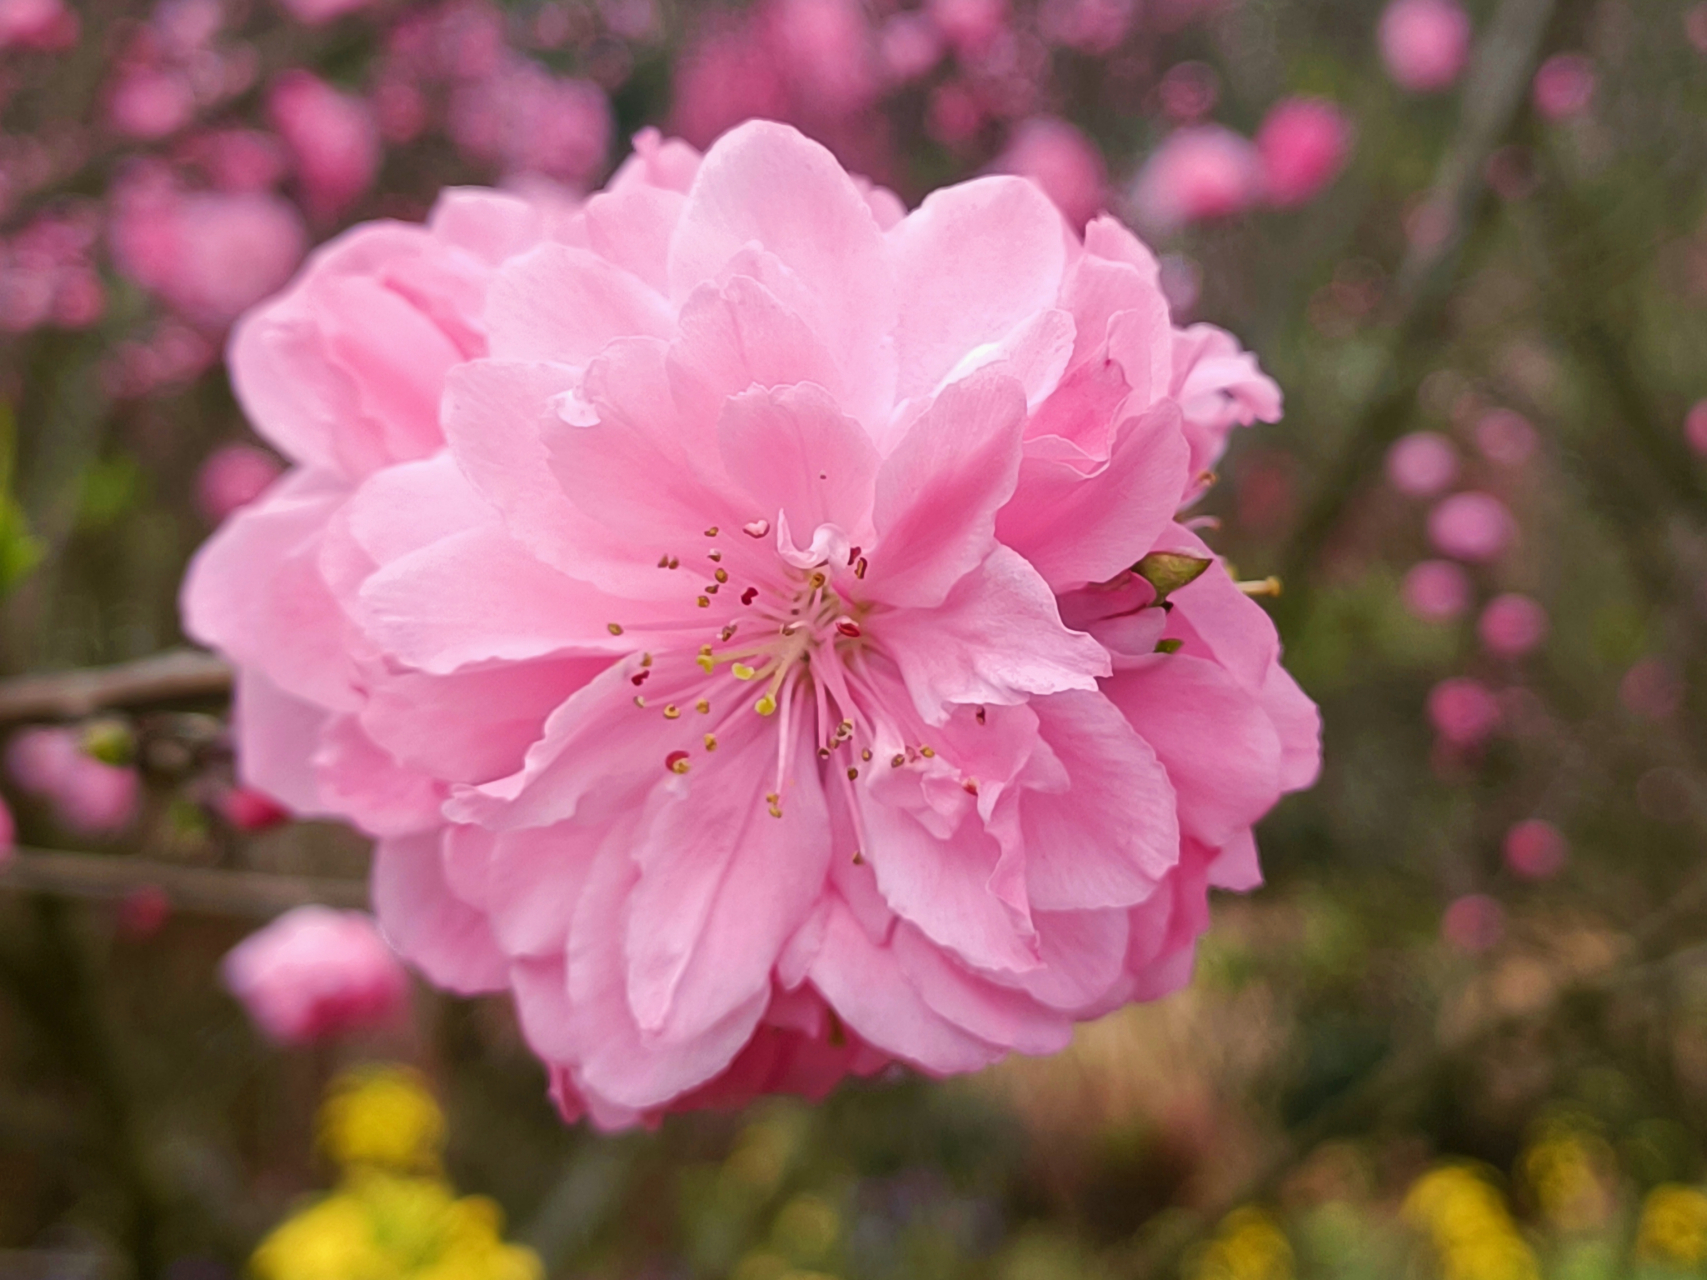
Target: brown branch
[(172, 676), (201, 889)]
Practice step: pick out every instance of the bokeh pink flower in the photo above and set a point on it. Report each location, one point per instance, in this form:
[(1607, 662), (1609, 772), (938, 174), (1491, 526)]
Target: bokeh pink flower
[(1472, 526), (1199, 172), (769, 549), (1061, 160), (233, 476), (1564, 86), (1436, 590), (1422, 464), (1464, 711), (315, 973), (89, 797), (1535, 849), (1303, 144), (1512, 625), (332, 139), (1425, 43)]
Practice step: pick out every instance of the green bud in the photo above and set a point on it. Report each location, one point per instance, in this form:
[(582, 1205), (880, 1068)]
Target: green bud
[(1168, 571), (1169, 646), (110, 741)]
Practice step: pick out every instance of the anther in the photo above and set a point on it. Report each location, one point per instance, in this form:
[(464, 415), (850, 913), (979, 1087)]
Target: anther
[(664, 562), (927, 752), (853, 554), (639, 678), (897, 760), (749, 595), (817, 580), (859, 567), (844, 730), (645, 659), (852, 774), (980, 715), (823, 753), (846, 626), (714, 555), (675, 563), (711, 742), (971, 786), (672, 711), (703, 707), (1269, 586), (865, 754), (639, 701), (858, 858), (677, 762), (711, 587), (756, 528), (765, 706), (705, 602), (711, 532), (614, 628), (721, 574), (741, 671), (728, 633)]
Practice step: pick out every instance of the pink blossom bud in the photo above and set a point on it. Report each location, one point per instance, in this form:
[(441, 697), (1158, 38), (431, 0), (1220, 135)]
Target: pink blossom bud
[(1422, 464), (1462, 711), (1473, 923), (45, 25), (1436, 590), (1189, 91), (1425, 43), (88, 797), (1090, 26), (968, 25), (1471, 526), (1505, 437), (1512, 625), (1651, 690), (909, 46), (149, 103), (314, 973), (1695, 427), (1202, 171), (8, 834), (331, 137), (1535, 850), (143, 912), (1062, 161), (1564, 86), (1303, 144), (251, 810), (953, 114), (313, 13), (232, 477)]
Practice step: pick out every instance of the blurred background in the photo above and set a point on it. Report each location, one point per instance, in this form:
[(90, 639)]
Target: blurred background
[(1461, 1032)]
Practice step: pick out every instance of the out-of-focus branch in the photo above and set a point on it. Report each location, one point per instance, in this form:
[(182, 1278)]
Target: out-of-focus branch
[(67, 695), (1500, 74), (236, 893)]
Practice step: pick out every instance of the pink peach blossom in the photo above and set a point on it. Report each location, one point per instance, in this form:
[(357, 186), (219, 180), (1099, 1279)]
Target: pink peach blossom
[(1473, 923), (909, 46), (250, 810), (1506, 437), (1535, 850), (8, 834), (1189, 91), (150, 102), (1436, 590), (1303, 144), (1462, 711), (1200, 172), (208, 255), (969, 25), (37, 24), (1471, 526), (1422, 464), (721, 610), (315, 973), (1564, 86), (1512, 625), (314, 13), (1425, 43), (1061, 160), (233, 477), (331, 137), (88, 796), (1695, 426), (1090, 26)]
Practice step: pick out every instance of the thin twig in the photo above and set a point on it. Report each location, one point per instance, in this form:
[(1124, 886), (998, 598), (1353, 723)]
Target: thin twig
[(253, 894), (1493, 102), (176, 675)]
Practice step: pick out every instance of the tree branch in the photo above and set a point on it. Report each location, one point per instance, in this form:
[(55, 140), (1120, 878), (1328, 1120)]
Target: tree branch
[(255, 894), (172, 676)]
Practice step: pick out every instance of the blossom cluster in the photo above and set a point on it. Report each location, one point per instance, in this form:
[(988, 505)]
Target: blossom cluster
[(755, 620)]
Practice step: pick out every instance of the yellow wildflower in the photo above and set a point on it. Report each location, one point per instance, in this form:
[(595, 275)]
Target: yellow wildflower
[(1467, 1221), (1564, 1167), (1673, 1229), (1249, 1245), (382, 1116)]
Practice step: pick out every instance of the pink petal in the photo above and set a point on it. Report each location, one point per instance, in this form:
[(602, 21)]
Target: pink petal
[(371, 788), (939, 491), (998, 1014), (276, 736), (434, 930), (563, 304), (792, 450), (974, 261), (632, 228)]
